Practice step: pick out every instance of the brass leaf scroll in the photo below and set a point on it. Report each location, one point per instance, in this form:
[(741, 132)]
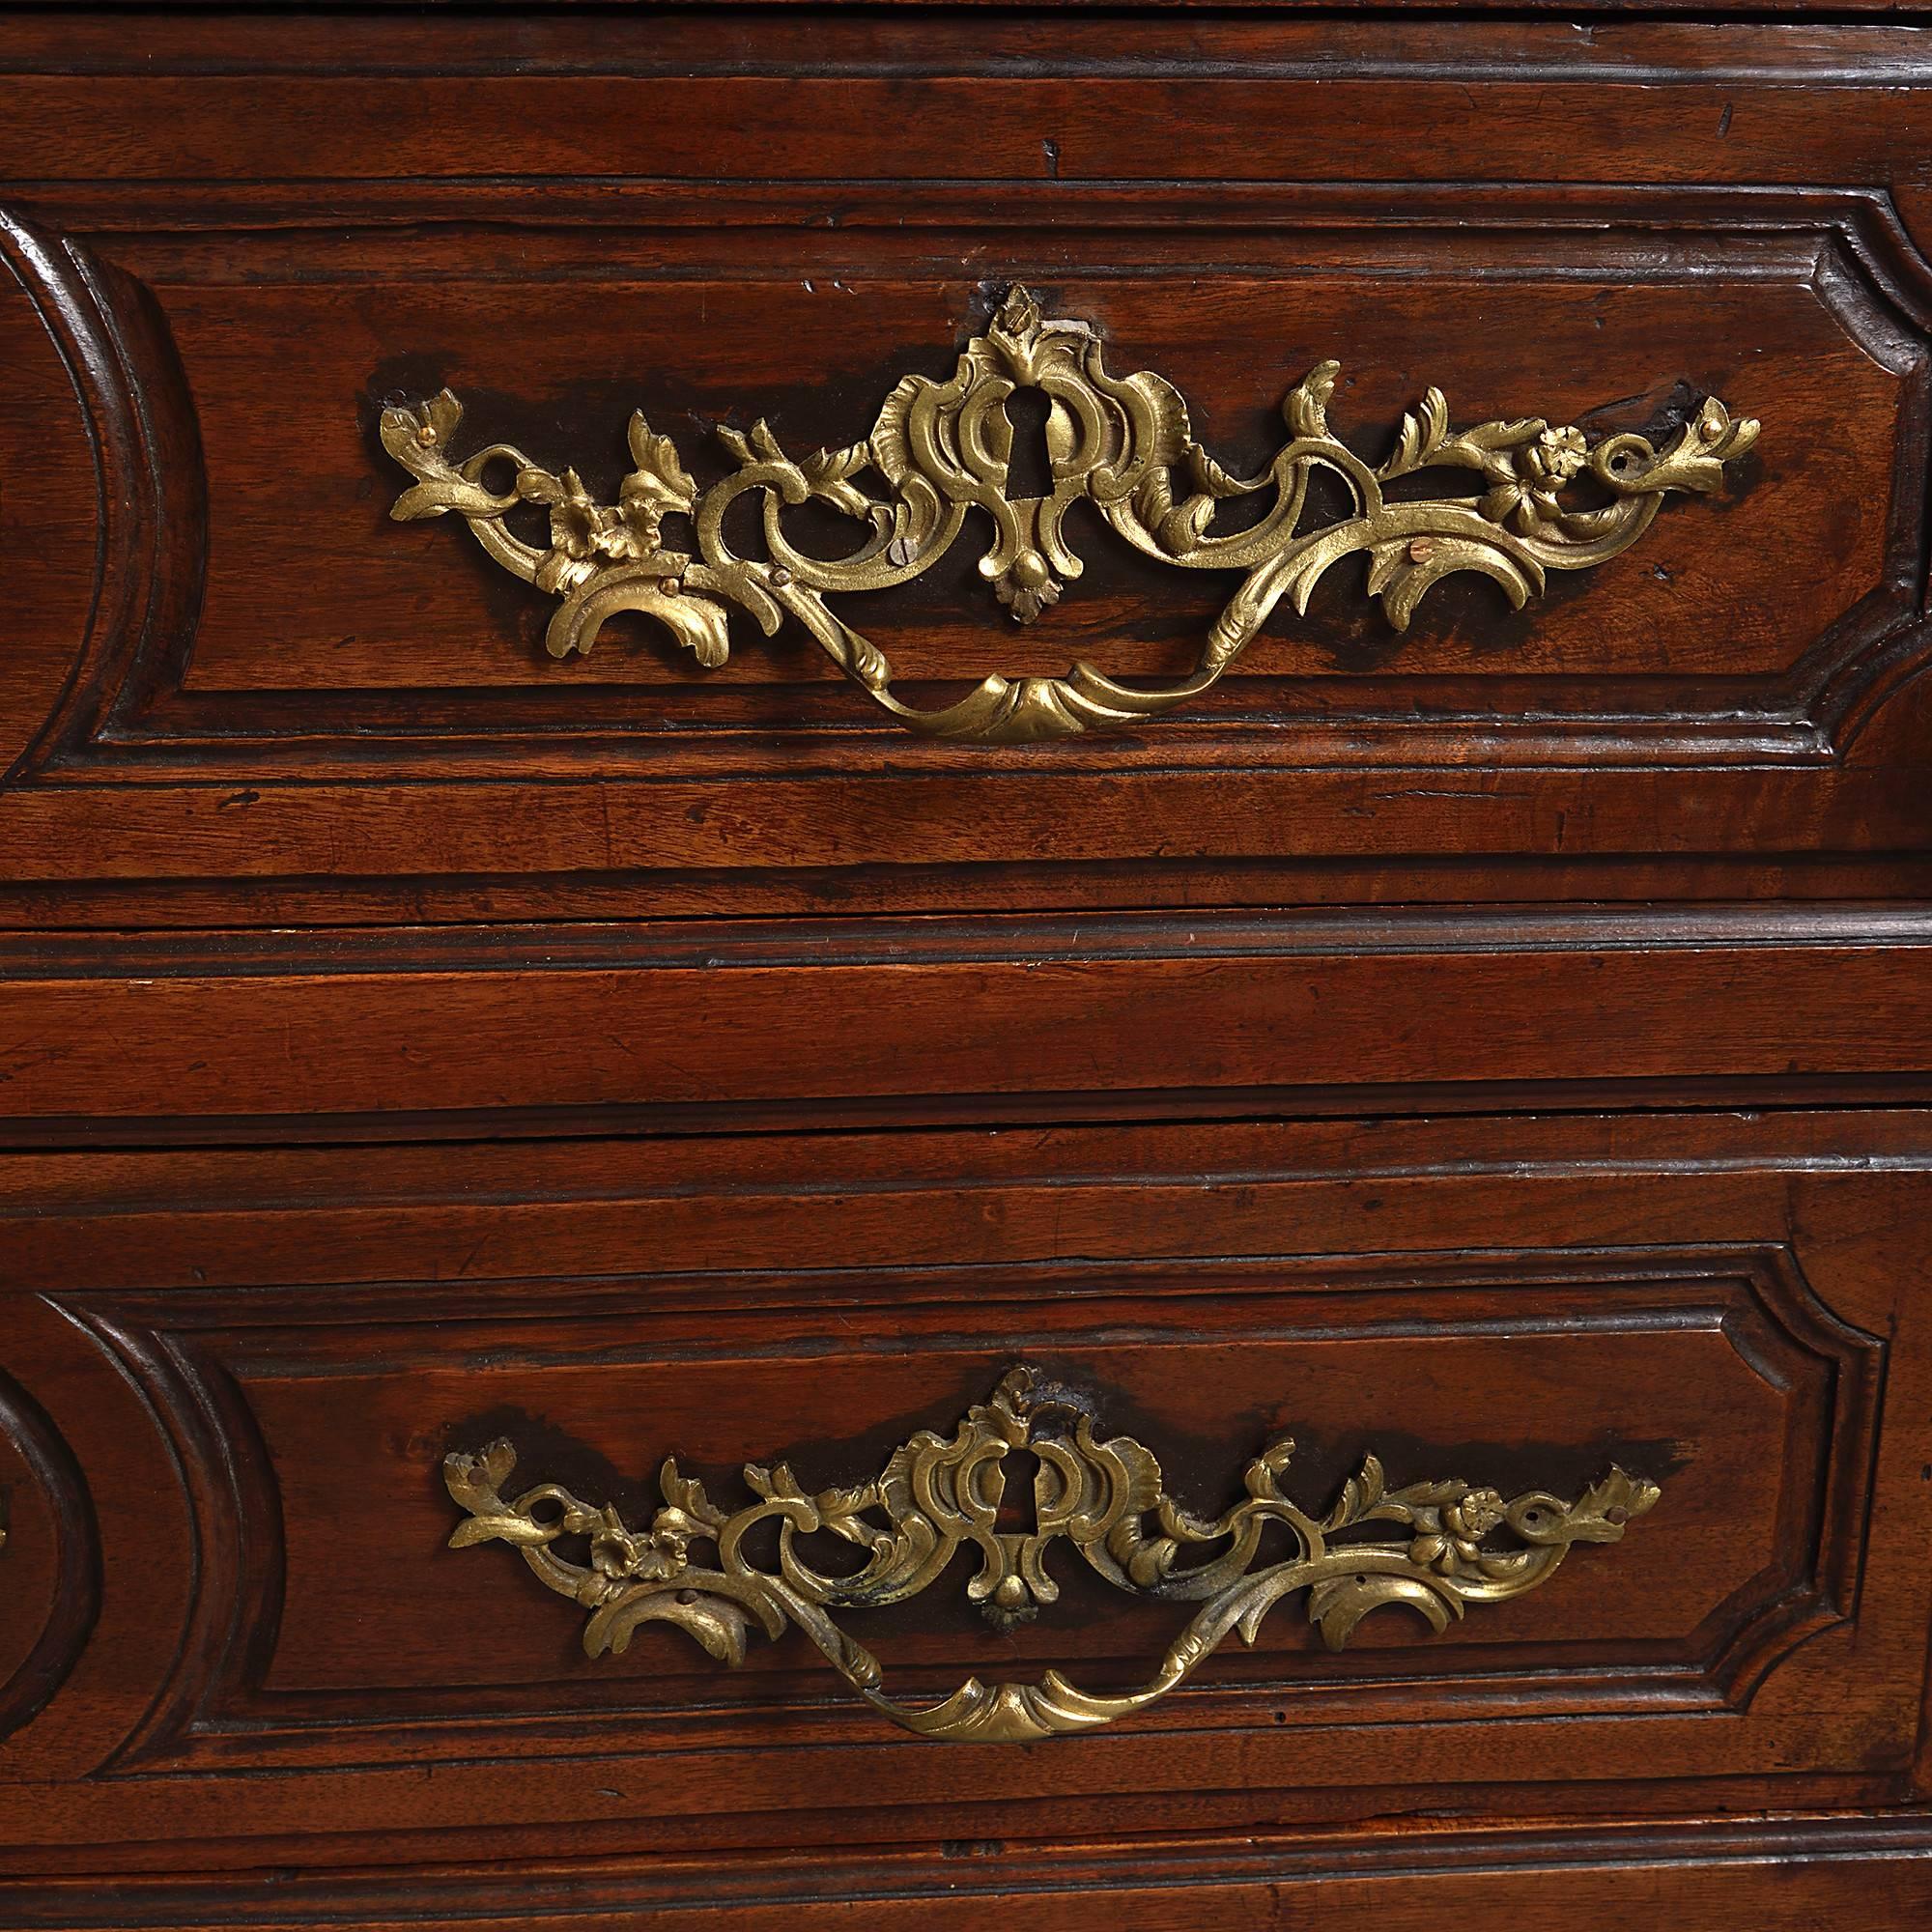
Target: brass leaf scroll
[(939, 1495), (1124, 444)]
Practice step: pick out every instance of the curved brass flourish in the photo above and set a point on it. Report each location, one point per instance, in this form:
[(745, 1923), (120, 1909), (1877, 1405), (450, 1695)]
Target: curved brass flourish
[(938, 1496), (1124, 444)]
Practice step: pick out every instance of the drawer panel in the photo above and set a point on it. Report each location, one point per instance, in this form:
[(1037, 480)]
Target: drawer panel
[(1708, 1304), (1226, 1361), (1690, 619), (1724, 701)]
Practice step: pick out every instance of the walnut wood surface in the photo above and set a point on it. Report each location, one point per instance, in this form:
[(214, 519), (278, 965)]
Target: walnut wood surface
[(1506, 1046), (980, 1017), (283, 708), (1715, 1295)]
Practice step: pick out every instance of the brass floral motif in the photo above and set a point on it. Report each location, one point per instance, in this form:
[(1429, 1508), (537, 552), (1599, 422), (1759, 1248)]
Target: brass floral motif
[(939, 1495), (1124, 444)]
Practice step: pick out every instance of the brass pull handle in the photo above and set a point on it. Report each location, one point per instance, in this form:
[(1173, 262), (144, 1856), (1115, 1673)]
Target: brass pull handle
[(937, 1494), (1124, 444)]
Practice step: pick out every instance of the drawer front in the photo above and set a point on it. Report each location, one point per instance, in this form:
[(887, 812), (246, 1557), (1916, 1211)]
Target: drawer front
[(1292, 430), (1710, 1306)]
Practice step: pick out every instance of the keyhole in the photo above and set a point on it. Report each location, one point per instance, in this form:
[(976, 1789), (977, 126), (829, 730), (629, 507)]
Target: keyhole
[(1028, 472), (1016, 1514)]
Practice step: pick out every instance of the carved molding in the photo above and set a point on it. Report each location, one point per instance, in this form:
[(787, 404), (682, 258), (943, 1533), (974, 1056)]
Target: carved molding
[(76, 1597), (151, 506), (227, 1484), (1548, 499)]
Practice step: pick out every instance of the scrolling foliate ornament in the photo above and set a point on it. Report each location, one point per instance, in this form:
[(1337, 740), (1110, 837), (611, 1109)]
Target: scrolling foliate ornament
[(939, 1495), (941, 450)]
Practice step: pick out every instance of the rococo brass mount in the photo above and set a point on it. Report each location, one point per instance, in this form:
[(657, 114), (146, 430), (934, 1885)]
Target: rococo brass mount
[(1124, 444), (937, 1495)]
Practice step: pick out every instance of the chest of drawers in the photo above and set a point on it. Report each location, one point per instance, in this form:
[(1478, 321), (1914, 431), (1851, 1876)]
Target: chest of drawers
[(964, 962)]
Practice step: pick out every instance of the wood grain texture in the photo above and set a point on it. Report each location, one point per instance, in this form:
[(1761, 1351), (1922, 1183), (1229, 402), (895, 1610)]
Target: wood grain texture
[(321, 714), (142, 586), (1712, 1874), (52, 508), (1358, 1285), (977, 1017), (1691, 645), (53, 1567), (1757, 1556), (1503, 1048)]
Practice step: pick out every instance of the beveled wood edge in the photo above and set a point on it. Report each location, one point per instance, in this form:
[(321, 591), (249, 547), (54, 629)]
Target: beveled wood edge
[(543, 35), (1732, 1874), (686, 1028), (1074, 937)]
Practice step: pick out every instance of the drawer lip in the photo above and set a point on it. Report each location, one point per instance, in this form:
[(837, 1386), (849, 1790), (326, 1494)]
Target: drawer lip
[(809, 944), (910, 38), (721, 1027), (1733, 1874)]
